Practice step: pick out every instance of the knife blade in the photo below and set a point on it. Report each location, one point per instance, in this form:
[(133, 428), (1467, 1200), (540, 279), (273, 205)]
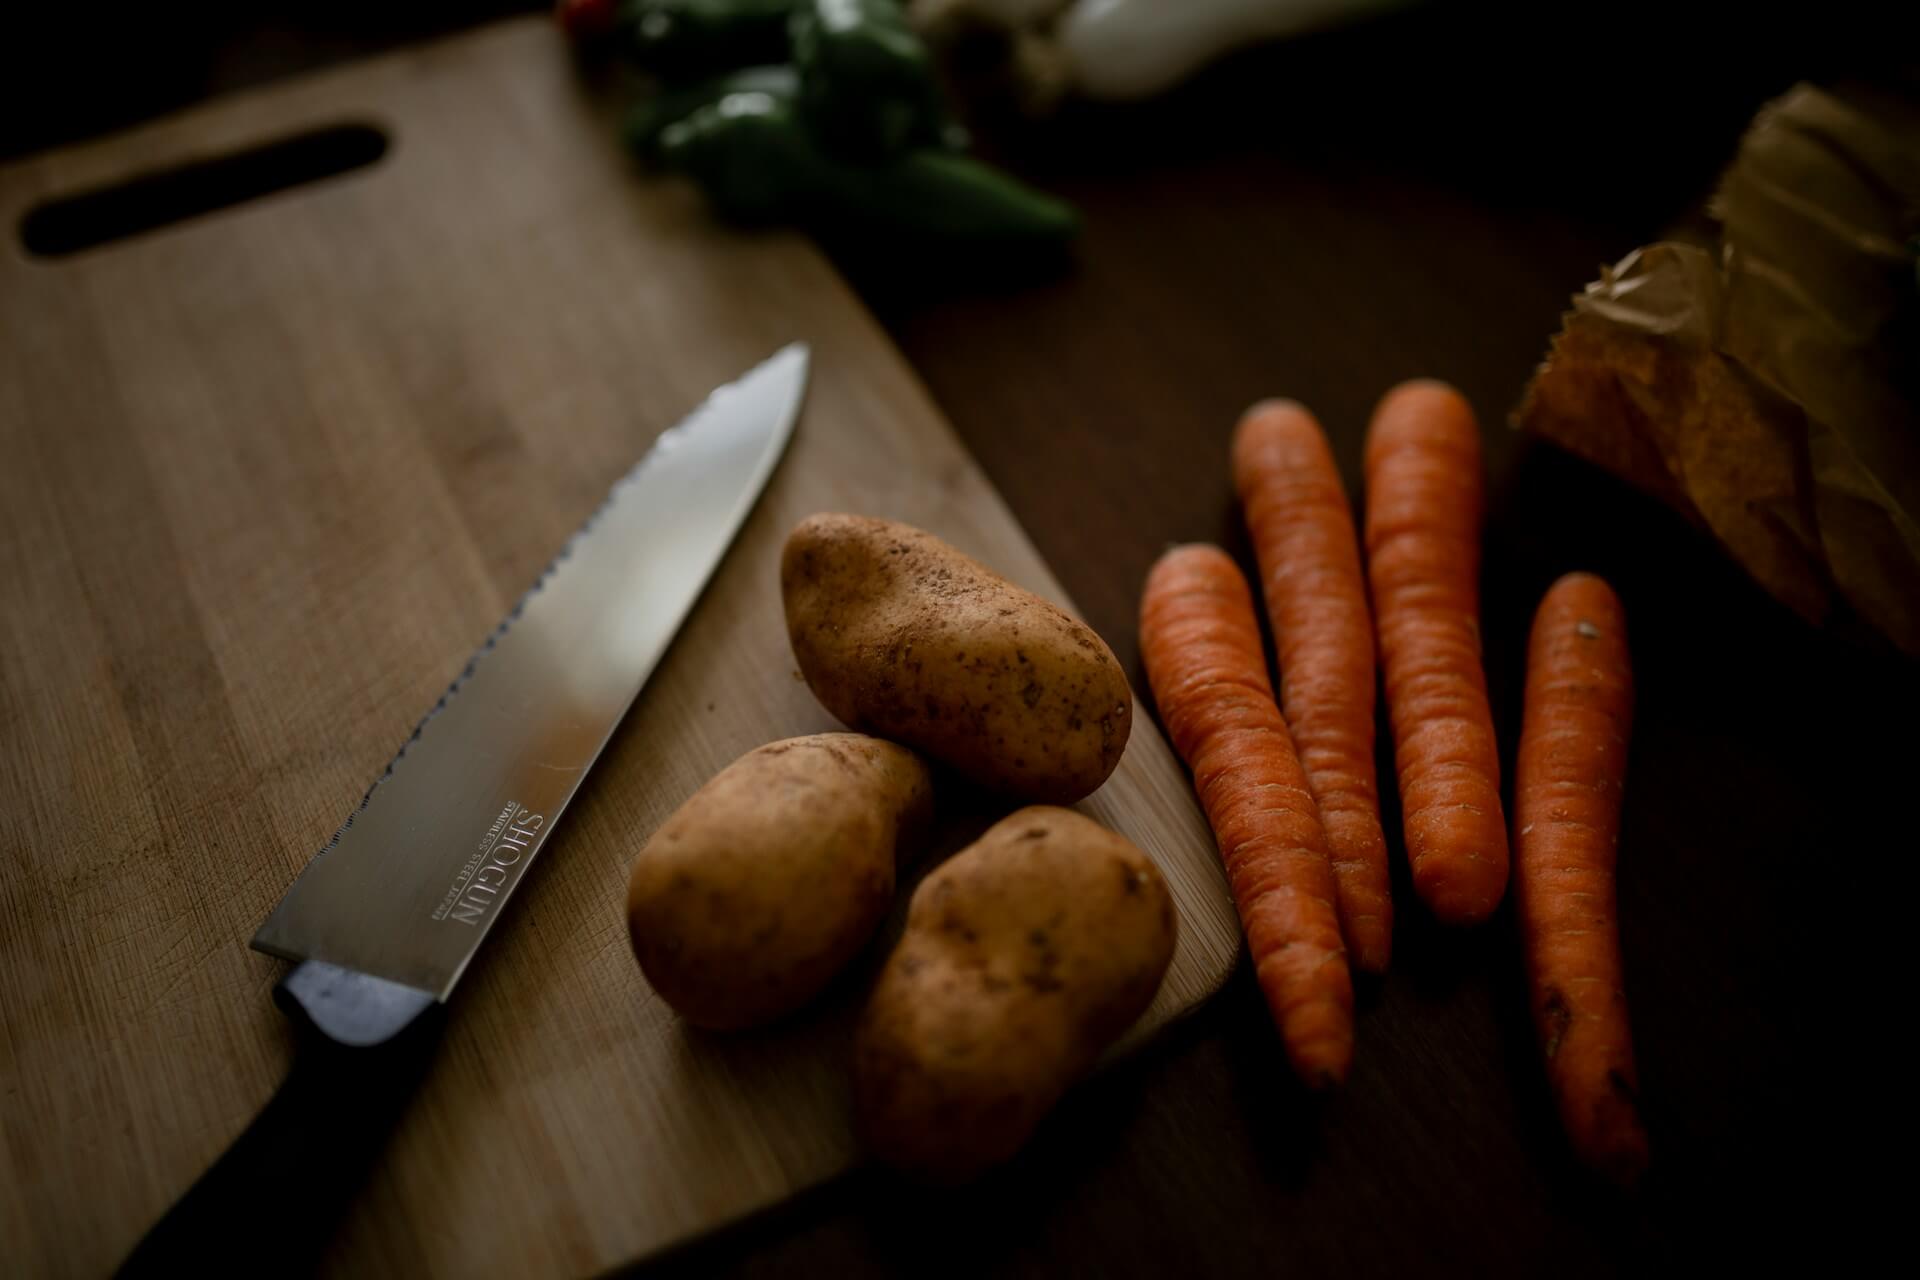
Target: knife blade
[(386, 918)]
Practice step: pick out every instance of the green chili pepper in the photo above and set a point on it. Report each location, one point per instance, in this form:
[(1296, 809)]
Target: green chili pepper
[(749, 153), (759, 163), (685, 40), (650, 117), (867, 84), (943, 195)]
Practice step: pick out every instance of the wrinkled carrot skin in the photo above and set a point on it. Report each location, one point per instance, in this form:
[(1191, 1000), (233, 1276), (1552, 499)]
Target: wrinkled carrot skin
[(1566, 813), (1310, 577), (1201, 645), (1424, 499)]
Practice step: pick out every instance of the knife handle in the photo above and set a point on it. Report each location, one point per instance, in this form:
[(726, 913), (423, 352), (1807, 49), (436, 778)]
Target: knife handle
[(269, 1203)]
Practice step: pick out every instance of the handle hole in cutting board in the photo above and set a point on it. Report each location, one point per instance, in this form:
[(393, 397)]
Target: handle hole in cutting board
[(148, 201)]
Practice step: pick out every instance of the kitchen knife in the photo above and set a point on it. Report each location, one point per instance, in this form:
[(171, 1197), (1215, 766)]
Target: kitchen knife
[(386, 918)]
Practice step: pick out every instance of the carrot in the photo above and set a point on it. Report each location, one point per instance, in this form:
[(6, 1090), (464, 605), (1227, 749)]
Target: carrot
[(1310, 575), (1201, 645), (1423, 560), (1566, 813)]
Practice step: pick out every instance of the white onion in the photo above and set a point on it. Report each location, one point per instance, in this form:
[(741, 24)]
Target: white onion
[(1136, 48)]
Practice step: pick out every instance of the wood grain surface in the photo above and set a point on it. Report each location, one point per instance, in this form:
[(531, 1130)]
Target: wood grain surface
[(271, 475)]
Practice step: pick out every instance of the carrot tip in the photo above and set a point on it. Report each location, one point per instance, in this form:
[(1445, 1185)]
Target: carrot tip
[(1454, 903), (1273, 404), (1463, 916), (1321, 1067), (1370, 959), (1419, 385)]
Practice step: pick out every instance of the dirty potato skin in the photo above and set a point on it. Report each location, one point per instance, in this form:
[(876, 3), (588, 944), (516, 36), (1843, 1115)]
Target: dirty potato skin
[(771, 877), (1024, 956), (901, 635)]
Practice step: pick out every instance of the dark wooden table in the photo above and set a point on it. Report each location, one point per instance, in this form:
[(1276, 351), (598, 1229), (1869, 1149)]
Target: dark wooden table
[(1418, 196)]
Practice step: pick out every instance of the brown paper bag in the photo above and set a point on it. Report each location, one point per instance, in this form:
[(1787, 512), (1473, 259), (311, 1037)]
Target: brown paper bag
[(1769, 387)]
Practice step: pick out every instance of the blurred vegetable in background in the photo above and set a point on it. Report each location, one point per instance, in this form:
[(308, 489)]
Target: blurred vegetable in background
[(687, 39), (1125, 48), (823, 112), (651, 116), (758, 162), (585, 20), (867, 86), (1135, 48)]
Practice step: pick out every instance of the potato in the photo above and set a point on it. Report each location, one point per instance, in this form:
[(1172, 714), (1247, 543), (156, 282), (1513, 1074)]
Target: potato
[(771, 877), (1024, 956), (900, 635)]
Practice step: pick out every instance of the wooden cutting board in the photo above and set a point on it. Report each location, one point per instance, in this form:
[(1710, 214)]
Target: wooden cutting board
[(269, 476)]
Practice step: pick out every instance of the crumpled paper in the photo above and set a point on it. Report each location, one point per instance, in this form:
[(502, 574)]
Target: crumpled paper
[(1769, 387)]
